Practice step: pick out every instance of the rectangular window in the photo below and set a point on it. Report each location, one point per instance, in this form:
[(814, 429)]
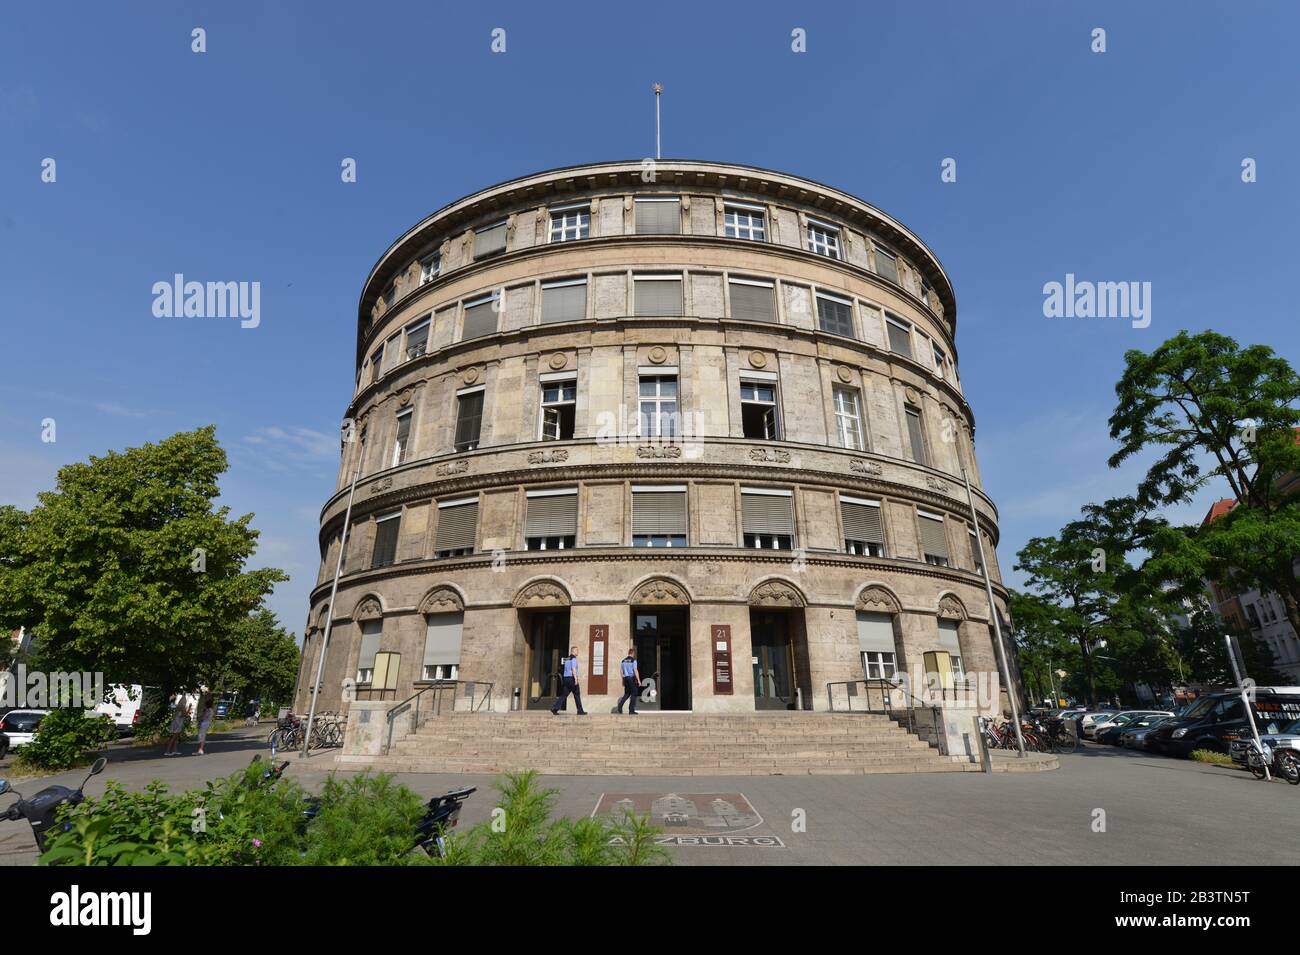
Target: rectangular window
[(392, 352), (659, 516), (386, 527), (659, 295), (430, 266), (752, 301), (570, 223), (900, 336), (926, 288), (658, 216), (758, 409), (879, 665), (950, 641), (934, 539), (490, 240), (744, 222), (559, 405), (864, 533), (457, 525), (481, 316), (376, 363), (371, 631), (886, 264), (552, 521), (823, 239), (975, 552), (469, 419), (402, 445), (417, 339), (848, 418), (442, 638), (767, 518), (658, 406), (940, 362), (564, 301), (916, 435), (876, 645), (835, 315), (390, 294)]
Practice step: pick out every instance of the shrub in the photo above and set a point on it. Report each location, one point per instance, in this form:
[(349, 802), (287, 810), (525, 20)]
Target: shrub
[(367, 820), (1210, 756), (63, 738)]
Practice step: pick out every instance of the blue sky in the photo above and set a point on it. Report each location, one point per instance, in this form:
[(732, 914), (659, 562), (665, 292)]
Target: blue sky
[(1121, 166)]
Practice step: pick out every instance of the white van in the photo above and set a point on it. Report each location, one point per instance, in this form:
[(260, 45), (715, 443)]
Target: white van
[(124, 707)]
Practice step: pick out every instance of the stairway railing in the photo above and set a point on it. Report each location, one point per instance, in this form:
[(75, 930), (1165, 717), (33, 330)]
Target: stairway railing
[(435, 691)]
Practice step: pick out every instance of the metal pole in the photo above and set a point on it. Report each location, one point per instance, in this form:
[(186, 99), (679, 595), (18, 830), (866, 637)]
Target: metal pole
[(993, 614), (334, 589), (1245, 702), (658, 89), (1051, 677)]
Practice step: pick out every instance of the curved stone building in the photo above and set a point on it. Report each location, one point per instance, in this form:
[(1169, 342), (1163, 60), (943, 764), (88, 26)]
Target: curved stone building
[(712, 411)]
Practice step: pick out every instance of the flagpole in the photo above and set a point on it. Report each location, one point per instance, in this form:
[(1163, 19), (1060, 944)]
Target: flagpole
[(658, 88)]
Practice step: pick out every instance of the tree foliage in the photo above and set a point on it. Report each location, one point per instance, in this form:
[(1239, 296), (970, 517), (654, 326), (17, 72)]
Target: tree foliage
[(261, 659)]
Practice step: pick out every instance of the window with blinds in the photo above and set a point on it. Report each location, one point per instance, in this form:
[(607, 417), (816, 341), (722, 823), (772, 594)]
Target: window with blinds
[(753, 301), (386, 527), (900, 337), (417, 339), (658, 216), (659, 516), (767, 518), (402, 444), (659, 295), (886, 264), (835, 315), (490, 240), (457, 524), (876, 645), (975, 552), (864, 531), (552, 520), (916, 434), (376, 362), (564, 301), (371, 631), (469, 419), (934, 539), (950, 641), (480, 317), (442, 637)]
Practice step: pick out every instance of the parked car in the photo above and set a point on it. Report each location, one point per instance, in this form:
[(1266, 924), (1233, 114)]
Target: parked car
[(1087, 721), (1110, 732), (1134, 736), (4, 745), (20, 725), (1271, 735), (1214, 721), (1105, 718)]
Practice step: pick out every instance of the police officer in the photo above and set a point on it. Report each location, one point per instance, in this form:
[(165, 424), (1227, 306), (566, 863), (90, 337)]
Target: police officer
[(571, 673), (631, 683)]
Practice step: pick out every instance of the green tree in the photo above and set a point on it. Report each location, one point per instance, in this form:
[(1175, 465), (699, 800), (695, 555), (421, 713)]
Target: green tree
[(1042, 645), (128, 568), (261, 659)]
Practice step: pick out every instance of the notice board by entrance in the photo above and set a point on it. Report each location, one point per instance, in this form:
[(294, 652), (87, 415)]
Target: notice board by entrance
[(598, 654), (720, 640)]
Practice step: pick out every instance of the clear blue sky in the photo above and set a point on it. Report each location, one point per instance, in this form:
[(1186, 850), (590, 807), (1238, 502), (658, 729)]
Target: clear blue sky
[(225, 166)]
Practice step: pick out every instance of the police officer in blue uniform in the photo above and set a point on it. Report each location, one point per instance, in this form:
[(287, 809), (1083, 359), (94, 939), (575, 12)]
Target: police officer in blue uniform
[(571, 673), (631, 683)]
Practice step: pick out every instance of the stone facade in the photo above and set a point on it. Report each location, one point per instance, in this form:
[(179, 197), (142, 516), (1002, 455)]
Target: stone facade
[(860, 370)]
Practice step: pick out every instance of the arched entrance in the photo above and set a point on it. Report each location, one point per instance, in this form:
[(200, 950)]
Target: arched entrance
[(779, 647), (543, 607), (661, 633)]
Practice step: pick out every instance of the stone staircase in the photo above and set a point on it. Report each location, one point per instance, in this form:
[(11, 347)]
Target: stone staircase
[(666, 744)]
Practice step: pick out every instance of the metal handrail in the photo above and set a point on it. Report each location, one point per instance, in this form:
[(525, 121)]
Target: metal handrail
[(887, 704), (436, 687)]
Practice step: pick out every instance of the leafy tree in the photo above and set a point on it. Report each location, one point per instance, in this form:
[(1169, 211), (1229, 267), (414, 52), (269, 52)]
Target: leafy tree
[(128, 568), (1042, 646), (261, 659), (1204, 654)]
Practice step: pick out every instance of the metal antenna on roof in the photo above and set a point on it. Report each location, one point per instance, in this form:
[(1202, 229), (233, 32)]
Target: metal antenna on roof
[(658, 88)]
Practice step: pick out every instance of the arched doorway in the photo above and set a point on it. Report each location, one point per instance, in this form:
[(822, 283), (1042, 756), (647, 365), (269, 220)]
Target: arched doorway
[(779, 647), (543, 607), (661, 633)]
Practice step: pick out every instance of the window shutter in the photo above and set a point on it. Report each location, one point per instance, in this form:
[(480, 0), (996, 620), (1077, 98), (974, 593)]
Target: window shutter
[(658, 218), (456, 526), (564, 303), (914, 433), (659, 297), (417, 340), (370, 633), (385, 541), (875, 632), (490, 240), (975, 551), (900, 339), (753, 303), (442, 638), (834, 316), (886, 265), (933, 538), (767, 514), (862, 521), (948, 637), (480, 319), (554, 515), (658, 512), (469, 419)]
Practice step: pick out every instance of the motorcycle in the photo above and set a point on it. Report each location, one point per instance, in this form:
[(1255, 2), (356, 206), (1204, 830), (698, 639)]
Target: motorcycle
[(40, 811)]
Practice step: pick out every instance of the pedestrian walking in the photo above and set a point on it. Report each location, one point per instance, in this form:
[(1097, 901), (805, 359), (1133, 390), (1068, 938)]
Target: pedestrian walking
[(180, 713), (631, 683), (205, 721), (571, 674)]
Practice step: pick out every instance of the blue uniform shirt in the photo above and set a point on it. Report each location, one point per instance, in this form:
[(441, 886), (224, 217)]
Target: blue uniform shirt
[(629, 667), (571, 667)]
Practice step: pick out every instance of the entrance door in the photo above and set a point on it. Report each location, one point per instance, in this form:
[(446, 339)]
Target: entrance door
[(548, 645), (773, 660), (663, 655)]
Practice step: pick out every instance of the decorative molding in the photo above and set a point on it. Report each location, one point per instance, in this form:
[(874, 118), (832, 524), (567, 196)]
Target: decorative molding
[(383, 484), (405, 397), (912, 397), (950, 608), (769, 455), (658, 592), (657, 355), (451, 467), (659, 451), (442, 600), (558, 360), (757, 360), (844, 374), (542, 593), (775, 593), (368, 609), (863, 466), (470, 376), (935, 484), (878, 599), (556, 456)]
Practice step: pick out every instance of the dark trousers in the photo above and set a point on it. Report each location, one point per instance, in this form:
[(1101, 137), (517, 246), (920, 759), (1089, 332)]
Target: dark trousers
[(630, 693), (570, 686)]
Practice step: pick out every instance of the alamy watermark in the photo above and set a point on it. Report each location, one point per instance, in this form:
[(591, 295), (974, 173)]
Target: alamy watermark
[(1084, 299), (23, 689), (182, 299)]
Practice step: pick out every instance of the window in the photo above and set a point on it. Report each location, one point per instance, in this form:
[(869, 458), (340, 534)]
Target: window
[(371, 631), (886, 264), (940, 362), (916, 435), (950, 641), (835, 315), (457, 524), (758, 408), (390, 294), (571, 222), (552, 521), (417, 339), (659, 516), (876, 644), (900, 336), (752, 301), (823, 239), (430, 266), (376, 362), (658, 406), (386, 526), (934, 539), (848, 418), (481, 316), (392, 352), (975, 552), (767, 518), (469, 418), (490, 240), (659, 295), (564, 301), (879, 664), (442, 645), (1253, 617), (926, 288), (864, 532), (658, 216), (402, 445), (744, 222), (559, 403)]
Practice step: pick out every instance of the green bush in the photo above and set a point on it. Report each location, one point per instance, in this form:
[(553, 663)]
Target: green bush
[(1210, 756), (366, 820), (63, 738)]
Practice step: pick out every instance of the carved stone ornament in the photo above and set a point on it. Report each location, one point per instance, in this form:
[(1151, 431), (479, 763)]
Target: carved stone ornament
[(863, 466), (769, 456), (912, 397), (950, 608), (558, 360), (470, 376), (451, 467), (404, 398), (657, 355), (442, 600), (383, 484), (844, 374), (934, 484), (368, 609), (878, 600), (557, 456), (757, 360), (542, 593), (658, 592), (659, 451), (774, 593)]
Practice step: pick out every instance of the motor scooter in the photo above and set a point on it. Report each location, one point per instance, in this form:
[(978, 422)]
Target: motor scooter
[(41, 810)]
